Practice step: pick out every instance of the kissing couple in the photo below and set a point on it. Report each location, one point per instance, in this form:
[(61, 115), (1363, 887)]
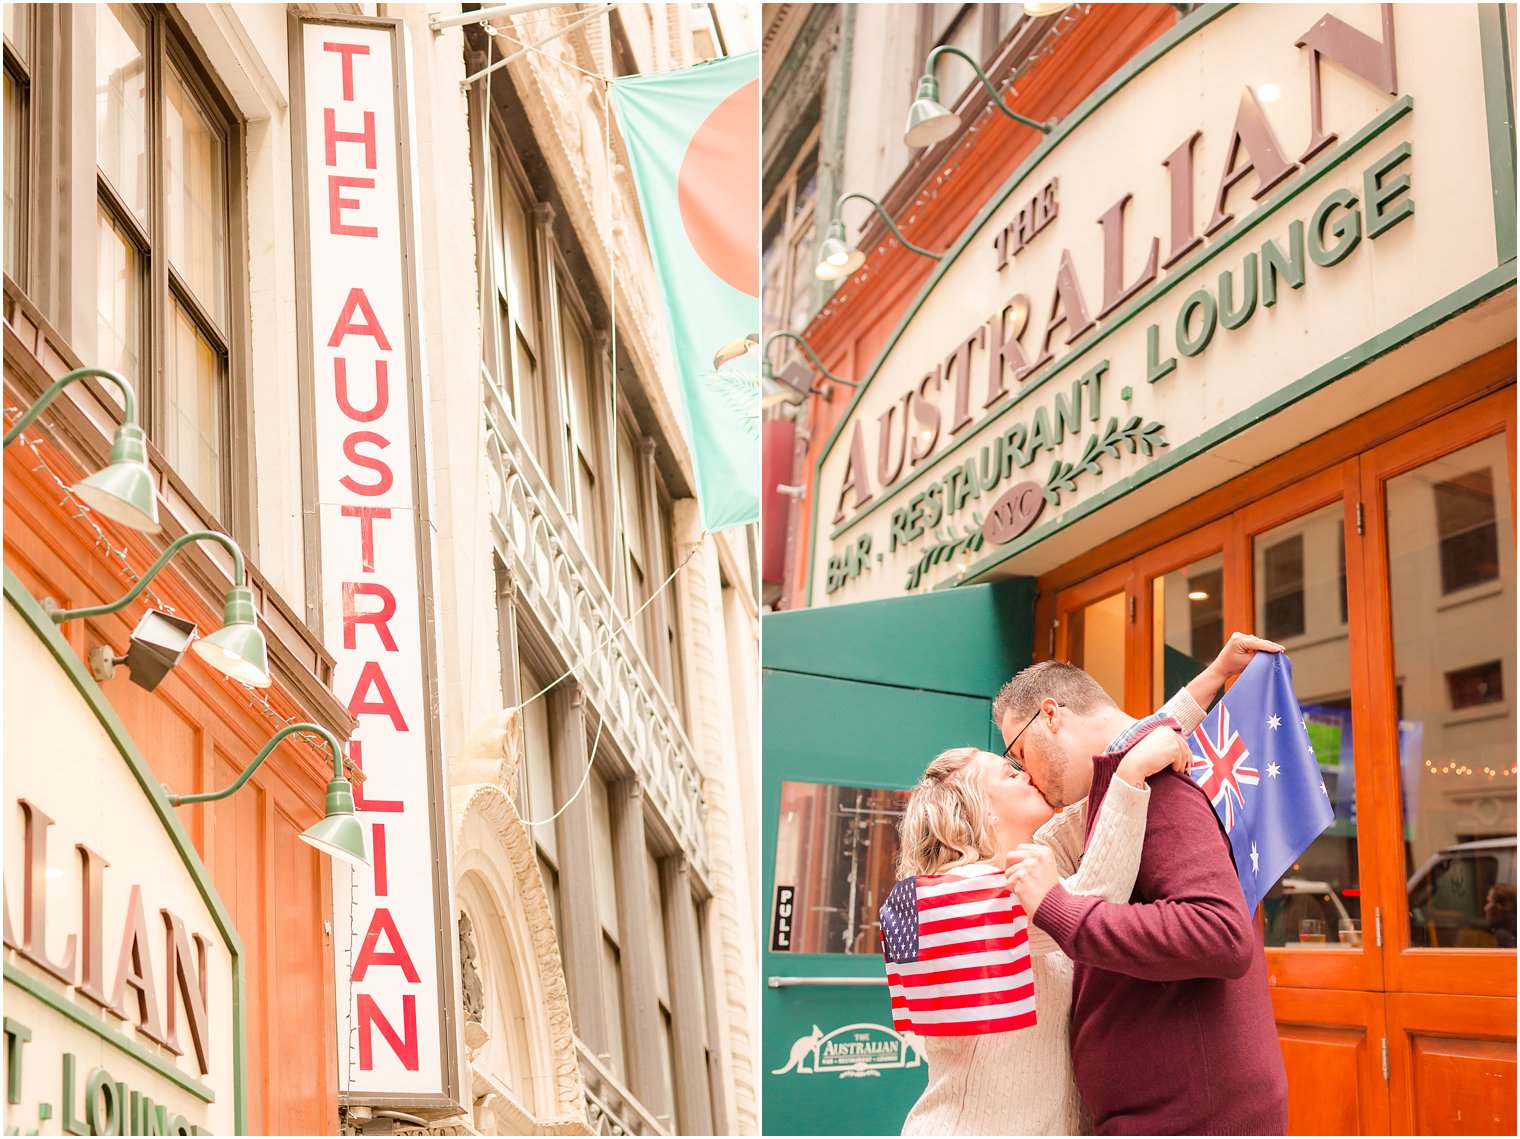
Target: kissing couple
[(1150, 1013)]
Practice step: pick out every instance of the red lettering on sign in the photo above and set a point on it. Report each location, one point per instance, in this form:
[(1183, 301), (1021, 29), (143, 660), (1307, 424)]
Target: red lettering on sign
[(334, 136), (370, 953), (366, 516), (377, 861), (382, 391), (376, 806), (403, 1044), (380, 618), (384, 703), (351, 453), (358, 302), (347, 51), (337, 203)]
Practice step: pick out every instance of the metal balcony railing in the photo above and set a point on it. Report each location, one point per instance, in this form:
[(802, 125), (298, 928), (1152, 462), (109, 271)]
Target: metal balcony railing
[(538, 541)]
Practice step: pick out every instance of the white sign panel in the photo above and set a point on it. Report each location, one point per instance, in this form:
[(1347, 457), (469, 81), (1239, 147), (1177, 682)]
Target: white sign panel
[(1222, 241), (121, 969), (390, 971)]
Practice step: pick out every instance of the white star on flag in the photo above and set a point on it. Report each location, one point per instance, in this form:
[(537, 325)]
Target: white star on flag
[(1273, 770), (1322, 790), (1255, 860), (1274, 721)]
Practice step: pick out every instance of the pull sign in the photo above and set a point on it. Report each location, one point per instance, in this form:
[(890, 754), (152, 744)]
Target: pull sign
[(781, 922)]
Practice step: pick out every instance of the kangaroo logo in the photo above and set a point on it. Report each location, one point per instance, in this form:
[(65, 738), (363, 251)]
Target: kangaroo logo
[(802, 1051), (853, 1050)]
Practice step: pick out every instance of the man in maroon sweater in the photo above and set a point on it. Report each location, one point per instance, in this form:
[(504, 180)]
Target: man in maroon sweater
[(1172, 1030)]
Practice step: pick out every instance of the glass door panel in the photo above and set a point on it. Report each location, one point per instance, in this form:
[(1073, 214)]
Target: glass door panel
[(1187, 625), (1095, 642), (1451, 581), (1300, 601)]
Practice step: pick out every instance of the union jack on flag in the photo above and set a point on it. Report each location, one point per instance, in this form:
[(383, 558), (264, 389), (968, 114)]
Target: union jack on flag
[(1222, 768), (957, 951)]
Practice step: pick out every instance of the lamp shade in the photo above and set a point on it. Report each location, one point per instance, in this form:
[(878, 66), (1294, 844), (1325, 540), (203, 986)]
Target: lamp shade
[(837, 259), (339, 834), (238, 647), (929, 120), (1045, 9), (123, 491)]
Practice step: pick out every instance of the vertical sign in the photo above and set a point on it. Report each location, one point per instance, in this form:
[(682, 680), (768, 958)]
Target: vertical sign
[(391, 924)]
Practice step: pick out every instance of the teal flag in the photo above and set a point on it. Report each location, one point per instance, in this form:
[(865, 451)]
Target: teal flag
[(693, 140)]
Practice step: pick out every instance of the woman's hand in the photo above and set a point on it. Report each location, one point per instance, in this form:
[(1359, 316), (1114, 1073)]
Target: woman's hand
[(1031, 871), (1160, 749)]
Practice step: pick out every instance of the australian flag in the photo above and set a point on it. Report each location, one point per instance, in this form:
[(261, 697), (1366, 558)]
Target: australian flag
[(1251, 756)]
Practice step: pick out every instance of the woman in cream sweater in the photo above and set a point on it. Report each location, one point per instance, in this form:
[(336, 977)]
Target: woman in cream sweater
[(969, 809)]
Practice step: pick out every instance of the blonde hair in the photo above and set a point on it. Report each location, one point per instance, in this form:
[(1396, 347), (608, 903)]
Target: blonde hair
[(945, 823)]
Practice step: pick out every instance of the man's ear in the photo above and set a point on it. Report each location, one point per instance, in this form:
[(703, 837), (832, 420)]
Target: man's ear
[(1050, 712)]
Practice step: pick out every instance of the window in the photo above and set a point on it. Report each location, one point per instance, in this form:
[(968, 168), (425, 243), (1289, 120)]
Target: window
[(706, 38), (1473, 687), (1283, 566), (633, 522), (662, 986), (18, 98), (535, 796), (606, 886), (789, 243), (512, 334), (583, 445), (1469, 535), (977, 29), (163, 146), (674, 672)]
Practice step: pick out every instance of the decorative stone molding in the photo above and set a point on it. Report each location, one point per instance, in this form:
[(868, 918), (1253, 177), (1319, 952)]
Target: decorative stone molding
[(549, 1018)]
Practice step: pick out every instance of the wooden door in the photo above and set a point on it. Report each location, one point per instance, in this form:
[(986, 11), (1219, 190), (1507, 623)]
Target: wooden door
[(1406, 1024)]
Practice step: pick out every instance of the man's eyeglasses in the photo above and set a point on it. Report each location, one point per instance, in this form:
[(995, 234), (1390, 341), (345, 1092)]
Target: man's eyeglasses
[(1018, 764)]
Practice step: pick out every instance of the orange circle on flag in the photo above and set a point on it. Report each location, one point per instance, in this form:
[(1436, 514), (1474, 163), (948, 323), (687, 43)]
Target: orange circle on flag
[(718, 190)]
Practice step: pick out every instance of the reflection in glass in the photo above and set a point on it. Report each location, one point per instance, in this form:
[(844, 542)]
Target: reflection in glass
[(15, 173), (118, 302), (1095, 642), (194, 415), (1299, 582), (1187, 624), (121, 104), (1451, 572), (837, 848), (195, 220)]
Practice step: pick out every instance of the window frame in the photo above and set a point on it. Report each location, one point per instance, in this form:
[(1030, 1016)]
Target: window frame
[(20, 63), (170, 43)]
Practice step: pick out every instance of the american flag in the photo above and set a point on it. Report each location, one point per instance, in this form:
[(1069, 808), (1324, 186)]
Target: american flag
[(957, 952)]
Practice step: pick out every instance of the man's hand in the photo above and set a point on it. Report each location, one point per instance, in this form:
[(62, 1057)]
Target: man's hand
[(1160, 749), (1031, 872), (1230, 663)]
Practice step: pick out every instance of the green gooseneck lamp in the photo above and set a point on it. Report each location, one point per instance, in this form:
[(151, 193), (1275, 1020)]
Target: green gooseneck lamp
[(339, 835), (123, 491), (837, 259), (238, 647), (930, 121)]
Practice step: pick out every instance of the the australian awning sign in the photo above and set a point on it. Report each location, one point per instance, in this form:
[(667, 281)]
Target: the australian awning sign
[(122, 968), (1264, 191)]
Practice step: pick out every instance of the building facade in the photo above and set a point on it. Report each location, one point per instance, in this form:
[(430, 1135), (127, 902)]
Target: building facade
[(1146, 382), (357, 284)]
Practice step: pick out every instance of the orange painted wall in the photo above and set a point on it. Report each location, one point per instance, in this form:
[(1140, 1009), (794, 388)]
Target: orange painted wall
[(851, 329)]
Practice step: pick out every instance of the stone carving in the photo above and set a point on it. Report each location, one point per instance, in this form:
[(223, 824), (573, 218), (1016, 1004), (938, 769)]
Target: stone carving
[(469, 971), (550, 1015), (492, 754)]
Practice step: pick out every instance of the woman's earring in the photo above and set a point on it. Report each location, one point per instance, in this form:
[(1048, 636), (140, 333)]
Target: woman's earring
[(994, 819)]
